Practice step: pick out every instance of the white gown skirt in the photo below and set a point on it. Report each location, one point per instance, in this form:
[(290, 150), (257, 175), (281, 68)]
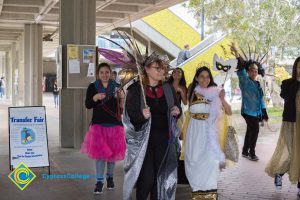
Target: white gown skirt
[(201, 164)]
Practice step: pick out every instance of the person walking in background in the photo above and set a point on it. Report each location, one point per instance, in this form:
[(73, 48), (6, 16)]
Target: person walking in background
[(286, 157), (183, 54), (105, 141), (56, 94), (114, 77), (178, 81), (1, 86)]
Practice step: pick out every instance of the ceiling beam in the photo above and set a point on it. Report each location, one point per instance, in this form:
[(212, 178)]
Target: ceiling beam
[(50, 23), (101, 4), (121, 8), (56, 5), (51, 18), (53, 11), (16, 9), (6, 42), (110, 15), (43, 12), (35, 3), (17, 16), (8, 38), (4, 46), (5, 49), (105, 21), (136, 2), (1, 6), (10, 30), (9, 34)]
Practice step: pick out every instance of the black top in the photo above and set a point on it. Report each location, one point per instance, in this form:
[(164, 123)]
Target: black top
[(158, 108), (104, 114), (55, 89), (159, 131), (289, 88), (178, 95)]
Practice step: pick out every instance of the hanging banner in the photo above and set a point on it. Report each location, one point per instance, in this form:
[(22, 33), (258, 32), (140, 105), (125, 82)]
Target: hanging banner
[(28, 141)]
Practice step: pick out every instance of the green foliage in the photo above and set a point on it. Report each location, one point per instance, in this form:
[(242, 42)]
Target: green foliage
[(260, 23), (272, 112), (275, 111)]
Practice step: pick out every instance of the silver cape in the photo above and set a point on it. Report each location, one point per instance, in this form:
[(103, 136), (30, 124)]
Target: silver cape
[(136, 146)]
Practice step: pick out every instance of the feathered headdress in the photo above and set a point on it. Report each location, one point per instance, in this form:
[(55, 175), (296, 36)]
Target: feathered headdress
[(132, 55), (245, 61), (133, 59)]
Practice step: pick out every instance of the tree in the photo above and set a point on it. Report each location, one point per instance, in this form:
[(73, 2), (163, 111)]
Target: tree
[(265, 24), (281, 74)]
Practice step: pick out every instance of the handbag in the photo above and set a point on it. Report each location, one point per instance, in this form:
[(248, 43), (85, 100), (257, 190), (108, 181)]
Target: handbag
[(231, 149)]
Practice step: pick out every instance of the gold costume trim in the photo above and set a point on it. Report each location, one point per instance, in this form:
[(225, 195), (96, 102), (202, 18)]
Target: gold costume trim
[(204, 196), (200, 116), (199, 99)]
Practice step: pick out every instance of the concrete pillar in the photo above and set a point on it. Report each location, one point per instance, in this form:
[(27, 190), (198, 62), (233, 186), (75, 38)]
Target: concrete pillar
[(14, 73), (33, 64), (21, 70), (1, 65), (77, 26), (8, 82), (4, 69)]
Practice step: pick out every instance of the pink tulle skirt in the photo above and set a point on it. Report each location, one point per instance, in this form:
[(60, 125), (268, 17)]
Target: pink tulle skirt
[(104, 143)]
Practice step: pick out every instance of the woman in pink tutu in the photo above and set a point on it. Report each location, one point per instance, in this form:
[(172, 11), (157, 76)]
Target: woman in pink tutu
[(105, 141)]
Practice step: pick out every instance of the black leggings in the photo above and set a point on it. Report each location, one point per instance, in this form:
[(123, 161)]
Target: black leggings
[(251, 134), (147, 181)]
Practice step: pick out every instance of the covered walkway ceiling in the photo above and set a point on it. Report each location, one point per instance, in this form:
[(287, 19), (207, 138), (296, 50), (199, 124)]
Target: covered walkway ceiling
[(110, 13)]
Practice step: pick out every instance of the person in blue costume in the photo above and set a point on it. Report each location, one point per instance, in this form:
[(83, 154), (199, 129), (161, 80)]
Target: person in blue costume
[(253, 105)]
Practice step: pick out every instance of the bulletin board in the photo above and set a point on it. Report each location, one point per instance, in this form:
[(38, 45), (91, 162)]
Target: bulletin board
[(81, 65)]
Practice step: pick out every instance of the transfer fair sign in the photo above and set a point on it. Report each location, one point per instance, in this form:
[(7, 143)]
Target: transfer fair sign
[(28, 140)]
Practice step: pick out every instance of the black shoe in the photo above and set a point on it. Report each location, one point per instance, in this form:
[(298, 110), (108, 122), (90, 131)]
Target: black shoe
[(253, 157), (278, 181), (245, 155), (110, 183), (99, 188)]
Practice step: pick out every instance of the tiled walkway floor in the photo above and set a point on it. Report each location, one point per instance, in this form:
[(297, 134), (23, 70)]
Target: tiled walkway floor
[(246, 180)]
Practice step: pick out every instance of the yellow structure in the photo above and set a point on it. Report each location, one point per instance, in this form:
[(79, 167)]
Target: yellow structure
[(173, 28), (177, 31), (207, 57)]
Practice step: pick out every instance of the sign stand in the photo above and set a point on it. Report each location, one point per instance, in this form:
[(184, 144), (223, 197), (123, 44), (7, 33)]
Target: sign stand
[(28, 138)]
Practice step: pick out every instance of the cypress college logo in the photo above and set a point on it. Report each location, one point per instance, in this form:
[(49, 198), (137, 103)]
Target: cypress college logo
[(21, 176)]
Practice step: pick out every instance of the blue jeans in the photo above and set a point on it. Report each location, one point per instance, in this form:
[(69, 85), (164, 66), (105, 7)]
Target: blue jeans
[(56, 98), (100, 167)]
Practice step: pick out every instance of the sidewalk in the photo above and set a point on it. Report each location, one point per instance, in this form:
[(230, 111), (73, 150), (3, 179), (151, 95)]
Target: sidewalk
[(246, 180)]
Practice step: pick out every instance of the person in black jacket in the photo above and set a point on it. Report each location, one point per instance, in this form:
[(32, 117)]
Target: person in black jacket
[(286, 157), (159, 138), (104, 141)]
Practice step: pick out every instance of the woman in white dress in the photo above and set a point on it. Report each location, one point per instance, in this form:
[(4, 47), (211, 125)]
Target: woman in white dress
[(203, 155)]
